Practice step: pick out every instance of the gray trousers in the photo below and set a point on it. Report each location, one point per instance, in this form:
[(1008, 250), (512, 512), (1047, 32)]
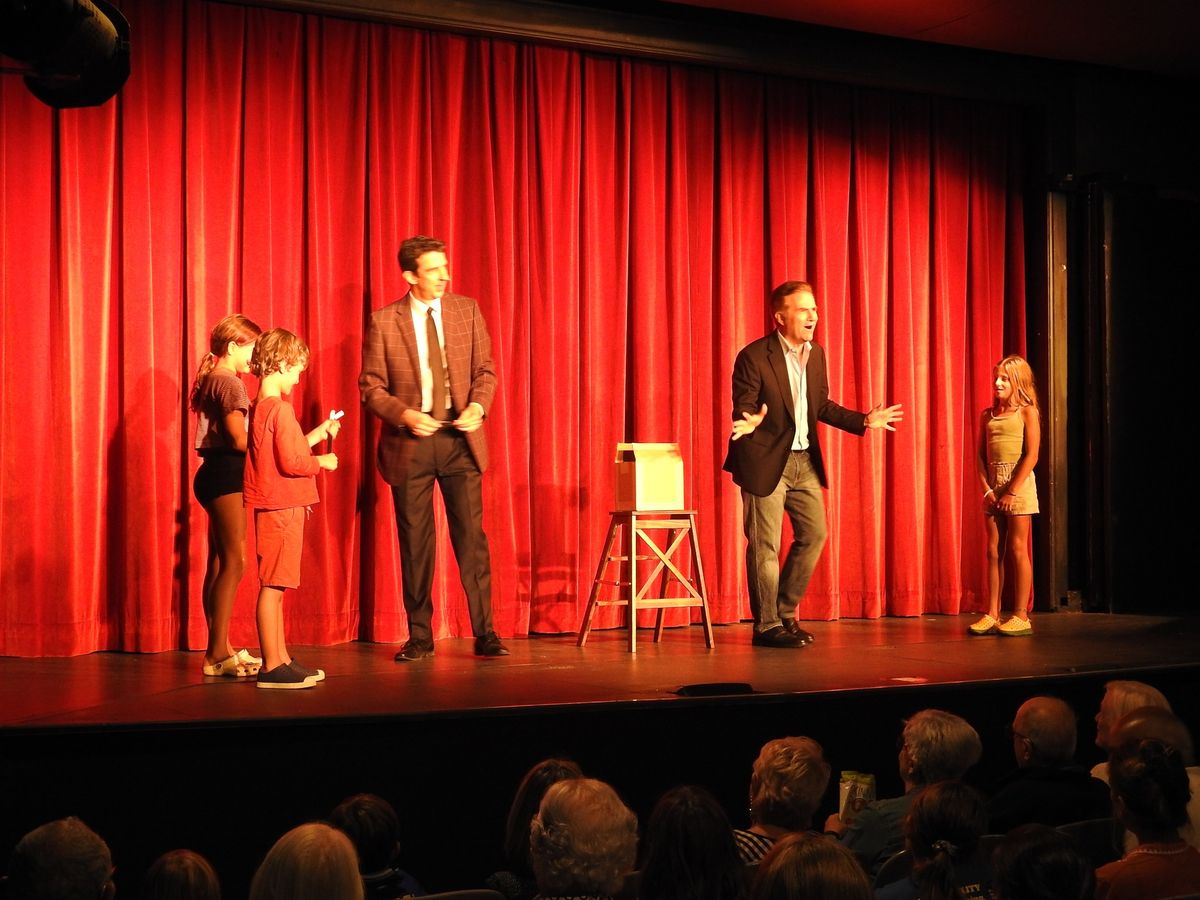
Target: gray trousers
[(774, 595)]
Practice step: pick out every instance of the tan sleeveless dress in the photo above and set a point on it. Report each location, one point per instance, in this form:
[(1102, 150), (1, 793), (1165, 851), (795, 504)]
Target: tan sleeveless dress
[(1005, 443)]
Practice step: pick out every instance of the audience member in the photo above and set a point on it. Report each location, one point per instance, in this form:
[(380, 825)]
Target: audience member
[(1156, 723), (934, 746), (583, 840), (61, 860), (517, 882), (1121, 697), (802, 866), (787, 783), (181, 875), (310, 862), (942, 833), (1049, 786), (374, 829), (1038, 862), (1150, 796), (690, 851)]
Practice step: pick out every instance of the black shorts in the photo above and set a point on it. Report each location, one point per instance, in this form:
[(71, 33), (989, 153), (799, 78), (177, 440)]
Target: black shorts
[(221, 472)]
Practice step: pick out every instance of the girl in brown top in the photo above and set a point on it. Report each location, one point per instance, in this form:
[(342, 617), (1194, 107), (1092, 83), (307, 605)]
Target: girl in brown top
[(221, 404), (1010, 434)]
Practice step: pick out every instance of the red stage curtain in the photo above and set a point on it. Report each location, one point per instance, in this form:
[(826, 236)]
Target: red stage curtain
[(621, 223)]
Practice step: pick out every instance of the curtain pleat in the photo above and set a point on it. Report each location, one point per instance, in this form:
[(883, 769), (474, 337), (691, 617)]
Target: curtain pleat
[(621, 223)]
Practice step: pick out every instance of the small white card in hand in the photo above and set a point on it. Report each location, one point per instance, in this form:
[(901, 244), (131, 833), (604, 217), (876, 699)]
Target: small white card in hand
[(334, 415)]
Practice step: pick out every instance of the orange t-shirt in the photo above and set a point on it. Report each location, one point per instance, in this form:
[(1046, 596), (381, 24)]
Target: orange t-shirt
[(279, 465)]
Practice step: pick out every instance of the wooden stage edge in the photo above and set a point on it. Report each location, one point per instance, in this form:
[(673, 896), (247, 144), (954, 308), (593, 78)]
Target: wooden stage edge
[(547, 673)]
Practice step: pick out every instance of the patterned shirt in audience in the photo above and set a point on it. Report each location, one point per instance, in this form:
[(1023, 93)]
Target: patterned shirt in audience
[(751, 846)]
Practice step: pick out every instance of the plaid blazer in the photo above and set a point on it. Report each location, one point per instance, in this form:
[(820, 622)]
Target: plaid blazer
[(390, 381)]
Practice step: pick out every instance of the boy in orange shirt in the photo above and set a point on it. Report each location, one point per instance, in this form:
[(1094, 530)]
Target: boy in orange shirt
[(281, 488)]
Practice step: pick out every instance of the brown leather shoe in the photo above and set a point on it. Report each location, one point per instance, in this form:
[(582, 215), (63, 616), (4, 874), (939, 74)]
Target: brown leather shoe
[(776, 637), (794, 629), (414, 650), (489, 645)]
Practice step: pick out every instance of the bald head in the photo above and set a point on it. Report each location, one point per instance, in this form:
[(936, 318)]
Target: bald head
[(1047, 727), (1157, 724)]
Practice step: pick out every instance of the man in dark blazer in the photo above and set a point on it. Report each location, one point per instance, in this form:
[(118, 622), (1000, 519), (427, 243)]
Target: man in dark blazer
[(427, 373), (780, 392)]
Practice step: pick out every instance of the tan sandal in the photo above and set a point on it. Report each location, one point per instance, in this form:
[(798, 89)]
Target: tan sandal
[(1016, 627), (986, 625), (251, 662), (226, 668)]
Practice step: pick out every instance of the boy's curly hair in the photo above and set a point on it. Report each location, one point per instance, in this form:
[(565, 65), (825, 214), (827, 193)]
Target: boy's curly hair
[(275, 349)]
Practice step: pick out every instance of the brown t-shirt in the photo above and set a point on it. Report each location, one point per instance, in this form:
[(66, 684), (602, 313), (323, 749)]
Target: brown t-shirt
[(220, 394)]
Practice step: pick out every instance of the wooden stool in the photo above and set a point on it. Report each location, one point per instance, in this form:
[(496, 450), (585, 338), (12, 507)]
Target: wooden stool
[(633, 588)]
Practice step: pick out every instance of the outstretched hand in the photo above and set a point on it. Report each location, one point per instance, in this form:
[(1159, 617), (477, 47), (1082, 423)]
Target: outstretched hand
[(748, 422), (326, 430), (881, 417), (332, 425)]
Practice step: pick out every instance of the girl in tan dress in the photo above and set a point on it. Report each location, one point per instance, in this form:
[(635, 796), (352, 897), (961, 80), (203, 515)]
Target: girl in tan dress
[(1010, 433)]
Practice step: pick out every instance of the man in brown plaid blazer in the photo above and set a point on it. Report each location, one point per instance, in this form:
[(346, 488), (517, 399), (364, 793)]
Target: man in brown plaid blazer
[(427, 373)]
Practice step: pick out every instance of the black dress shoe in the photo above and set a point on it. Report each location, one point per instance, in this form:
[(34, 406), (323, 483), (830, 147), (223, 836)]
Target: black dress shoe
[(776, 637), (414, 650), (794, 629), (489, 645)]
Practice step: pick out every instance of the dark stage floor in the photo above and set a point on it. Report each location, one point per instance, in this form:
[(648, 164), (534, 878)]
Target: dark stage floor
[(132, 690), (155, 758)]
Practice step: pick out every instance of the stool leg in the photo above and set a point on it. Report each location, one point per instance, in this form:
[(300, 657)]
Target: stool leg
[(695, 538), (659, 623), (631, 537), (660, 620), (594, 596)]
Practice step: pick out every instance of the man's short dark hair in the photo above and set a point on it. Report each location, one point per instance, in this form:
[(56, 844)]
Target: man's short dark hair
[(373, 827), (415, 247), (61, 859), (786, 290)]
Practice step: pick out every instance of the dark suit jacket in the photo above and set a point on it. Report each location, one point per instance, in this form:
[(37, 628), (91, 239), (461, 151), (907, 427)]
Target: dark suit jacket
[(390, 381), (760, 376), (1048, 796)]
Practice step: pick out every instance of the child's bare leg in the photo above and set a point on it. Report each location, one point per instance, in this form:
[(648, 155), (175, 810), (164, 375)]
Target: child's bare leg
[(211, 569), (995, 572), (280, 642), (1017, 559), (269, 614), (227, 539)]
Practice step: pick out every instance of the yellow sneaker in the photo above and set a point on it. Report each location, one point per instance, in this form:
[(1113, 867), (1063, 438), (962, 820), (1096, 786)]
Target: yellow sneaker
[(1015, 627), (986, 625)]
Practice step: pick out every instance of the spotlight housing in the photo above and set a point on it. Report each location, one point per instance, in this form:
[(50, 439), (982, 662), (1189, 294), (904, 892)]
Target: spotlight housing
[(77, 50)]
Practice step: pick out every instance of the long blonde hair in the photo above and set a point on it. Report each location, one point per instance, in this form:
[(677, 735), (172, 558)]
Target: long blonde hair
[(1020, 376), (236, 329)]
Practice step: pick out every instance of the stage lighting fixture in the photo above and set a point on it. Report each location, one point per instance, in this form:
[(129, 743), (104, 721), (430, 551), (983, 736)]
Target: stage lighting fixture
[(77, 51)]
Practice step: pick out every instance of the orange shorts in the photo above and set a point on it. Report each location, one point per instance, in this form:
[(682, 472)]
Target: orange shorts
[(279, 537)]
